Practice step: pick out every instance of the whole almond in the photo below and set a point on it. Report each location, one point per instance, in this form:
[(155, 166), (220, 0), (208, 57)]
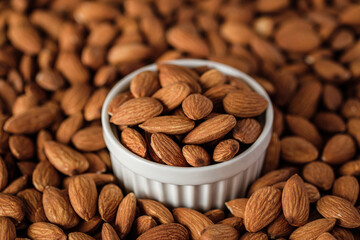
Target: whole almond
[(128, 53), (217, 231), (45, 231), (226, 150), (197, 106), (262, 208), (68, 127), (339, 208), (24, 103), (33, 42), (58, 209), (326, 236), (351, 108), (171, 96), (332, 97), (109, 199), (266, 50), (244, 104), (211, 129), (83, 196), (94, 11), (280, 227), (237, 206), (320, 174), (136, 111), (329, 122), (125, 215), (354, 129), (343, 233), (339, 149), (99, 178), (144, 84), (89, 226), (156, 210), (217, 93), (168, 125), (141, 225), (108, 232), (70, 65), (3, 174), (65, 159), (21, 147), (92, 109), (75, 98), (96, 165), (215, 215), (170, 230), (79, 236), (117, 101), (212, 78), (89, 139), (295, 201), (193, 220), (167, 150), (34, 210), (331, 71), (42, 137), (346, 187), (49, 79), (134, 141), (45, 175), (17, 185), (254, 236), (313, 229), (235, 222), (247, 130), (297, 150), (272, 154), (313, 192), (11, 206), (7, 230), (196, 156)]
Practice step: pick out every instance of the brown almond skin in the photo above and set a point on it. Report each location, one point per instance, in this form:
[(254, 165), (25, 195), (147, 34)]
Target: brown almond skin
[(136, 111), (339, 208), (117, 101), (235, 222), (92, 109), (167, 150), (108, 232), (125, 215), (237, 206), (244, 104), (11, 206), (343, 233), (144, 84), (42, 137), (197, 106), (295, 201), (339, 149), (3, 174), (7, 230), (89, 139), (353, 126), (212, 78), (170, 230), (83, 196), (156, 210), (297, 150), (193, 220), (134, 141), (262, 208), (346, 187), (79, 236), (272, 154), (45, 175), (247, 130), (141, 225), (329, 122), (75, 98), (254, 236), (313, 229), (226, 150), (173, 95), (320, 174), (215, 215), (217, 231), (68, 127), (21, 147), (65, 159), (34, 210), (45, 231), (17, 185), (279, 227), (109, 199), (196, 156), (211, 129), (168, 125)]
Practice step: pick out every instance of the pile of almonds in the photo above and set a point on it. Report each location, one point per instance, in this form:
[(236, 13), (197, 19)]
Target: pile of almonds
[(212, 101), (59, 58)]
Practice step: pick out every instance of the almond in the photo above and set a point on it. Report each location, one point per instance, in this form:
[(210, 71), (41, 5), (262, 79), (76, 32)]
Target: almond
[(329, 122), (170, 230), (42, 137), (262, 208), (125, 215), (332, 97), (254, 236), (3, 174), (211, 129), (49, 79), (331, 71), (212, 78), (217, 93), (172, 95), (215, 215), (144, 84), (272, 154), (68, 127), (196, 156), (320, 174), (33, 43), (70, 65), (75, 98), (168, 125), (79, 236), (343, 233), (313, 229), (45, 175), (34, 210), (83, 196), (89, 226), (236, 32), (141, 225), (109, 199), (217, 231), (346, 187), (353, 126), (92, 109), (128, 53), (266, 51), (297, 150), (65, 159), (295, 201), (21, 147), (7, 230), (108, 232), (279, 227), (226, 150), (89, 139), (339, 208), (12, 207), (45, 231), (351, 108), (267, 6), (326, 236), (134, 141), (195, 221), (167, 150), (235, 222), (339, 149), (117, 101), (237, 206), (247, 130), (349, 15), (136, 111), (156, 210), (244, 104), (197, 106), (58, 209), (17, 185)]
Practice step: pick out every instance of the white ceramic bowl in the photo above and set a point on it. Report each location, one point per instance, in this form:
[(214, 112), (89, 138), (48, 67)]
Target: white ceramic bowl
[(201, 188)]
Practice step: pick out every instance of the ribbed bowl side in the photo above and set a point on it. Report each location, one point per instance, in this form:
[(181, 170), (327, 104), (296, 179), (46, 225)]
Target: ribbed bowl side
[(202, 197)]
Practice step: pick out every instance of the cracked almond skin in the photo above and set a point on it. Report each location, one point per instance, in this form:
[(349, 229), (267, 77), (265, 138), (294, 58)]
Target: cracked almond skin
[(262, 208), (134, 141), (244, 104), (125, 215), (339, 149), (11, 206), (136, 111), (297, 150), (144, 84), (173, 231), (219, 231), (247, 130), (295, 201), (196, 156), (167, 150), (168, 125), (226, 150), (193, 220), (197, 106), (65, 159), (313, 229), (211, 129), (342, 210), (156, 210), (45, 231)]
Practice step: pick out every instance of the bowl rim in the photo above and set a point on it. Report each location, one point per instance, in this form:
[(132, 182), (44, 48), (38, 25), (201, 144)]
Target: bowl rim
[(194, 175)]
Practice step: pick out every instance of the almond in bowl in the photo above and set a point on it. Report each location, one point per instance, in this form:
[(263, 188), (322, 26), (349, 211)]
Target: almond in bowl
[(179, 132)]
